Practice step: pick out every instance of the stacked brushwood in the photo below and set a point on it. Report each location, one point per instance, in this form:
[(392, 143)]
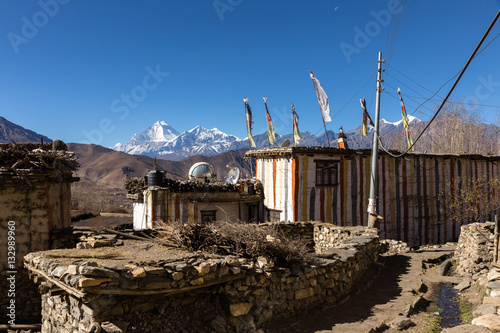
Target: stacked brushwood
[(27, 158), (139, 185), (241, 239), (136, 185)]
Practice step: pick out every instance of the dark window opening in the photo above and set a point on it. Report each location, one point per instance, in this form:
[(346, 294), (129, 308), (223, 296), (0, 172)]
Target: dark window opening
[(208, 216), (327, 173), (274, 215)]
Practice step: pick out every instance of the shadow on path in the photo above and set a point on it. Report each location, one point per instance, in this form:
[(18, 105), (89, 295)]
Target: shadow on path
[(383, 289)]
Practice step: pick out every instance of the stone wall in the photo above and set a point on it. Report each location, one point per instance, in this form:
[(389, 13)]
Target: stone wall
[(35, 199), (474, 251), (321, 237), (224, 294), (327, 236), (302, 230)]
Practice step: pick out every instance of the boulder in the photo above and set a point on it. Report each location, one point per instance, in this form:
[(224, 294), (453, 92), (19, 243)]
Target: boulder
[(485, 309), (401, 323), (490, 321), (239, 309), (462, 285), (466, 329)]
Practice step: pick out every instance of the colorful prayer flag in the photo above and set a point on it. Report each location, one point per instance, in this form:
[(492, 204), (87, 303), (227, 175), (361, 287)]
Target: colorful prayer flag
[(322, 99), (295, 122), (248, 113), (366, 117), (409, 139), (270, 128)]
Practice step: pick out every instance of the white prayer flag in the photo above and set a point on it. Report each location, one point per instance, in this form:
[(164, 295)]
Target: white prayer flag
[(322, 99)]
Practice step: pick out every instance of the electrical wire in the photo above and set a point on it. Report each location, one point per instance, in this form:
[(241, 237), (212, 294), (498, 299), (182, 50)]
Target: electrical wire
[(439, 100), (350, 99), (461, 73), (410, 79), (404, 84), (391, 42), (393, 129)]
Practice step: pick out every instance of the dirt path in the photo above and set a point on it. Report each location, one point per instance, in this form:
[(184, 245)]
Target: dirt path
[(387, 295)]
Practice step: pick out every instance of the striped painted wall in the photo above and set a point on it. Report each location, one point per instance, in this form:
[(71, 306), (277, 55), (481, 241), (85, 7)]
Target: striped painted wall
[(277, 178), (408, 190)]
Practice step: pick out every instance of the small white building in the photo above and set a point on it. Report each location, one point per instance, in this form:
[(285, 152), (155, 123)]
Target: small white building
[(198, 202)]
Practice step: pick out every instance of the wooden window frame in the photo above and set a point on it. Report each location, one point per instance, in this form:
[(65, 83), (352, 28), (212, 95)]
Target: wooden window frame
[(208, 213), (327, 172), (272, 215)]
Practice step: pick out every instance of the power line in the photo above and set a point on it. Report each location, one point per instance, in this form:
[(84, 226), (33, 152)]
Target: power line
[(487, 45), (479, 52), (411, 79), (350, 99), (406, 104), (391, 42), (438, 100), (454, 85), (405, 85)]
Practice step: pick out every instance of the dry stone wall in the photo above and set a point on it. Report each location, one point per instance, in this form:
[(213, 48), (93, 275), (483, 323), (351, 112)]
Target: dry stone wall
[(226, 294), (327, 236), (474, 252), (302, 230)]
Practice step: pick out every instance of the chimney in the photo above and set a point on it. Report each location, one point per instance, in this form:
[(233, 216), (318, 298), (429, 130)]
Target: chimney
[(342, 140)]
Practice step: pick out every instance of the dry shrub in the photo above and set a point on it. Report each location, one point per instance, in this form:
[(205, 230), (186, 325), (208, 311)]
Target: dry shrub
[(236, 238)]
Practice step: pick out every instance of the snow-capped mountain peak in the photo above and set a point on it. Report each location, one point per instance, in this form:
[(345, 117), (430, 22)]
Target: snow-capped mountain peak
[(162, 139), (159, 131)]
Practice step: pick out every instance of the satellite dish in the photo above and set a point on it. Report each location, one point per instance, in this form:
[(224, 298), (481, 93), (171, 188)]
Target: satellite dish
[(202, 172), (233, 175), (285, 143)]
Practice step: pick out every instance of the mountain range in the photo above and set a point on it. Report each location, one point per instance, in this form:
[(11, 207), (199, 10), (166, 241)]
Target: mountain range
[(110, 167), (165, 142), (10, 131)]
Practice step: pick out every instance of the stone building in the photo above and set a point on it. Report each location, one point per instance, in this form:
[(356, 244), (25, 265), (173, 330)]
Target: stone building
[(200, 199), (35, 200), (332, 185)]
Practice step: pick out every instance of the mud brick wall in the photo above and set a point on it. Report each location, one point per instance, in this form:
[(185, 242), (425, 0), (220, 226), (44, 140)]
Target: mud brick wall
[(229, 294), (474, 251), (36, 210)]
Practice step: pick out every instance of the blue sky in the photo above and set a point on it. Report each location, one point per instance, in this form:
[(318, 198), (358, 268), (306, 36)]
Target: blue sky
[(99, 71)]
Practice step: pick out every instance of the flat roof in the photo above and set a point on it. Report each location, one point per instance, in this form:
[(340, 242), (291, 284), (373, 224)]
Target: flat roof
[(290, 151)]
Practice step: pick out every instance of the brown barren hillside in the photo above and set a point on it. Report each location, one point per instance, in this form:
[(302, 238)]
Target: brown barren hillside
[(107, 167), (10, 131)]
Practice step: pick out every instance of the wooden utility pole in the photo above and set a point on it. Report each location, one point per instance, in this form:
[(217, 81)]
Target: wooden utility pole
[(495, 240), (372, 200)]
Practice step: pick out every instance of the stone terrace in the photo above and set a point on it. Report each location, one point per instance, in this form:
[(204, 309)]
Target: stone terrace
[(145, 286)]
